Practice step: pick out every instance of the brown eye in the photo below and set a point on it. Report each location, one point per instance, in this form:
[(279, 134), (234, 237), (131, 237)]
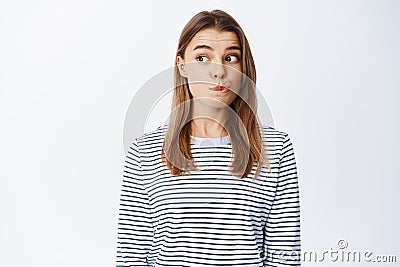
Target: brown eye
[(232, 58), (202, 59)]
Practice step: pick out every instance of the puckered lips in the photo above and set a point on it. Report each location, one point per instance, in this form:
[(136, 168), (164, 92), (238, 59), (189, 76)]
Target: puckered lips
[(219, 88)]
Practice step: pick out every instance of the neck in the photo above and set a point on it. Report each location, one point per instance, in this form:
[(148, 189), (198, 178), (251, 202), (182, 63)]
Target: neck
[(205, 127), (208, 121)]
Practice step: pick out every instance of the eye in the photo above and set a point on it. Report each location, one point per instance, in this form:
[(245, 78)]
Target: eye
[(232, 58), (202, 58)]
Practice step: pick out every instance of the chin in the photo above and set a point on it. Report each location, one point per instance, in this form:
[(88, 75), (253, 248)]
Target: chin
[(213, 102)]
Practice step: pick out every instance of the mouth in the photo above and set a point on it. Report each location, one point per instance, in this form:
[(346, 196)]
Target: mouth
[(219, 88)]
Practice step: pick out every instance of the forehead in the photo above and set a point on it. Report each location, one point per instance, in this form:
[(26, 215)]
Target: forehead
[(214, 37)]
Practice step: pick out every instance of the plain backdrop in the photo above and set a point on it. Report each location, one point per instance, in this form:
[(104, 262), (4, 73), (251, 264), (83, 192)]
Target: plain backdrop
[(329, 71)]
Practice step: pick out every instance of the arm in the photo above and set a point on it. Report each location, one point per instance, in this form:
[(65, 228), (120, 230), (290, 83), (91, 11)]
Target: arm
[(283, 224), (135, 230)]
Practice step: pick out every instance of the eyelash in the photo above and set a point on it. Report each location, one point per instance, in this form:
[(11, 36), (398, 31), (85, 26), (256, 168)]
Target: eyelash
[(237, 56)]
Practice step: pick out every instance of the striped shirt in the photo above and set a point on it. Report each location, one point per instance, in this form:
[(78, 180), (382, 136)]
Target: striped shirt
[(209, 217)]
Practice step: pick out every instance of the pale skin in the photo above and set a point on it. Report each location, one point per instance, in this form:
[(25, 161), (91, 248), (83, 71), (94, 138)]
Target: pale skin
[(211, 58)]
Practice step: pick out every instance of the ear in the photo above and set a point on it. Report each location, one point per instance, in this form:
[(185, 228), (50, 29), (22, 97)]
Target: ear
[(180, 63)]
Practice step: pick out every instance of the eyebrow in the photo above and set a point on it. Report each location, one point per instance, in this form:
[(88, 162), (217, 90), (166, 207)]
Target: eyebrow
[(232, 47)]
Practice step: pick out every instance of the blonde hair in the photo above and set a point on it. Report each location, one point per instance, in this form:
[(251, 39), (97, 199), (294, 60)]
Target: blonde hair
[(179, 130)]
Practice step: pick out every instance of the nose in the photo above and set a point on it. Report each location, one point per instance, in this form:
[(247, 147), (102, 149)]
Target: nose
[(218, 71)]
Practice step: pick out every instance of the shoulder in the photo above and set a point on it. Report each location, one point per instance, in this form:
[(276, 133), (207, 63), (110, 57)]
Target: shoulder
[(152, 138), (158, 134), (272, 134), (277, 142), (155, 137)]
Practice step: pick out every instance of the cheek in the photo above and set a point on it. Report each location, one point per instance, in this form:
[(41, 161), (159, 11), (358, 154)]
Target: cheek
[(196, 73), (236, 79), (198, 89), (235, 73), (198, 80)]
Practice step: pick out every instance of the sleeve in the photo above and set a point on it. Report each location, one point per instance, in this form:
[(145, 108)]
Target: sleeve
[(282, 230), (135, 230)]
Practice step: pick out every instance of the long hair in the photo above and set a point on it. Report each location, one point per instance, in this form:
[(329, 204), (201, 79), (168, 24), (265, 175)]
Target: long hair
[(176, 151)]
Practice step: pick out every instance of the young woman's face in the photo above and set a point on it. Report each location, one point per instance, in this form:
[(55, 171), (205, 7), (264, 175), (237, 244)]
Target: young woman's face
[(212, 59)]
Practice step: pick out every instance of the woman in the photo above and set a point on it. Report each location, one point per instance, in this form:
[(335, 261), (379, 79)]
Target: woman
[(233, 201)]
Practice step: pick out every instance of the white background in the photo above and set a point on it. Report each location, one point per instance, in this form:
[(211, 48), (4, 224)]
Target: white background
[(329, 71)]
